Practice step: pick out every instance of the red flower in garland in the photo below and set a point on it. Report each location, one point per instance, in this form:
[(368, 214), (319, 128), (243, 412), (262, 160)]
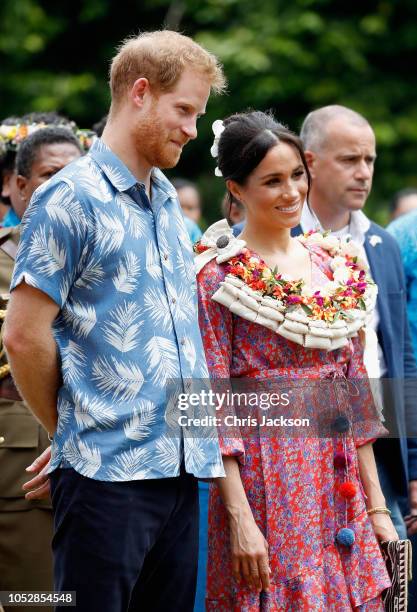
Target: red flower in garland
[(258, 285)]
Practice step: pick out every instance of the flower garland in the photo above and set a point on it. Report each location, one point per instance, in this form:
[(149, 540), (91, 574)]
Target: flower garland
[(351, 288), (12, 135)]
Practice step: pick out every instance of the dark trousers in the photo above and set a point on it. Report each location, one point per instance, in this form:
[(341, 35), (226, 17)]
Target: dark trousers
[(126, 546)]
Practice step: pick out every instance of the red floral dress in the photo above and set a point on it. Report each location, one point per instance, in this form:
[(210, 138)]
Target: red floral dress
[(291, 482)]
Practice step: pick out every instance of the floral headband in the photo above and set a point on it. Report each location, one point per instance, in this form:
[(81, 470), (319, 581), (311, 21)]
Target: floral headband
[(218, 128), (12, 135)]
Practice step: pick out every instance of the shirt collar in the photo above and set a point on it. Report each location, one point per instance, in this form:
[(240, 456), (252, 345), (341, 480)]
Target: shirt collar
[(119, 174), (358, 226)]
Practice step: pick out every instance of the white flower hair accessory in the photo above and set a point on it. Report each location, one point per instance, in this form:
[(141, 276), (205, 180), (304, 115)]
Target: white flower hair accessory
[(218, 128)]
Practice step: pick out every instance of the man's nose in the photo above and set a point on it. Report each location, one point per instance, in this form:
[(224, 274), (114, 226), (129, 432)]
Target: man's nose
[(190, 129), (363, 170)]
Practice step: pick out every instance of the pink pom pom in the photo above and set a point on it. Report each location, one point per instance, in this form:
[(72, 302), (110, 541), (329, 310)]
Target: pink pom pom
[(341, 460), (348, 489)]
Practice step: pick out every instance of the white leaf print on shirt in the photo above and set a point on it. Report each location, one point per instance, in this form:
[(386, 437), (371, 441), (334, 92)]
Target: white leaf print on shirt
[(122, 329), (183, 307), (92, 413), (138, 426), (73, 362), (84, 458), (163, 359), (128, 270), (180, 265), (109, 233), (165, 249), (134, 218), (82, 318), (64, 288), (91, 180), (91, 274), (157, 308), (62, 207), (122, 380), (131, 465), (195, 453), (182, 233), (65, 411), (163, 219), (48, 257), (153, 262), (167, 452), (190, 353), (113, 173)]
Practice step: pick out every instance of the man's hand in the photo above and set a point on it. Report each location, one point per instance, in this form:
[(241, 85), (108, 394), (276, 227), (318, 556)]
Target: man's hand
[(411, 519), (38, 487)]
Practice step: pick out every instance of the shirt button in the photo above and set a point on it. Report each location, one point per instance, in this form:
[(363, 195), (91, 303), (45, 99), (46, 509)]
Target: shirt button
[(173, 300), (2, 439), (166, 256), (182, 342)]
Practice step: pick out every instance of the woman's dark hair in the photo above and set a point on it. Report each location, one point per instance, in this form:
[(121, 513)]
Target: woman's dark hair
[(246, 140)]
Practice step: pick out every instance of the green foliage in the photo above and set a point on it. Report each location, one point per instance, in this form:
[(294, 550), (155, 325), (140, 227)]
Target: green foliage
[(288, 56)]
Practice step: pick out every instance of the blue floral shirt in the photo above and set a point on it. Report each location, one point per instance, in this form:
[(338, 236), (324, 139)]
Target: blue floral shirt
[(121, 270), (404, 230)]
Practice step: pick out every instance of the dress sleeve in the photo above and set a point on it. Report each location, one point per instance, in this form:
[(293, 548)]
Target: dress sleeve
[(366, 421), (216, 326)]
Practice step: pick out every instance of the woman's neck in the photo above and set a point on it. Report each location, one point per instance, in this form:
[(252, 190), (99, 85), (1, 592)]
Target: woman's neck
[(264, 241)]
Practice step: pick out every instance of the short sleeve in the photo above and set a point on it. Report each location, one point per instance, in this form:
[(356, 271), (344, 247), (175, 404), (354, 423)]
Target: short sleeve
[(216, 325), (366, 421), (54, 234)]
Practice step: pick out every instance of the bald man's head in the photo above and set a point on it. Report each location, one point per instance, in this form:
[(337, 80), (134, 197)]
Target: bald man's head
[(314, 131), (340, 150)]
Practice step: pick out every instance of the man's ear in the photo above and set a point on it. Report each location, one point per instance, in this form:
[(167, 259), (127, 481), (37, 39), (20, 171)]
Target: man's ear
[(235, 190), (311, 159), (22, 185), (139, 90)]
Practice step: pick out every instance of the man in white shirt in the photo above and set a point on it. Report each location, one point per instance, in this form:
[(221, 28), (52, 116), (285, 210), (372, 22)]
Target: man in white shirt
[(341, 153)]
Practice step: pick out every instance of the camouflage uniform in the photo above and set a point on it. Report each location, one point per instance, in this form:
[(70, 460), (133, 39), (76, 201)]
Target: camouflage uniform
[(25, 526)]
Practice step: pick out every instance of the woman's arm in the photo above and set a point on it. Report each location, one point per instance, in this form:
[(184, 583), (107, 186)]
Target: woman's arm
[(248, 546), (382, 524)]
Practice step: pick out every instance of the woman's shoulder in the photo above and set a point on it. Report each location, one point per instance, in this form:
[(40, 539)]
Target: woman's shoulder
[(211, 275)]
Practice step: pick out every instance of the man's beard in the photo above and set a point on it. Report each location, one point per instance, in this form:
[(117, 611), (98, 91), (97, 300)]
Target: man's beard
[(154, 145)]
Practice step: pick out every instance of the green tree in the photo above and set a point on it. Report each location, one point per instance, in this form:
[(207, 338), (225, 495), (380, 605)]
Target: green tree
[(289, 57)]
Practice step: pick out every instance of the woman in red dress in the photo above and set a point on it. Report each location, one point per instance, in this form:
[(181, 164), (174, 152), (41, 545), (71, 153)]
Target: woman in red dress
[(295, 524)]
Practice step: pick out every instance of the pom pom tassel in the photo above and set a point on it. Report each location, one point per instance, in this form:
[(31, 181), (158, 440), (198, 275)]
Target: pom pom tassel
[(342, 460), (348, 489), (345, 537)]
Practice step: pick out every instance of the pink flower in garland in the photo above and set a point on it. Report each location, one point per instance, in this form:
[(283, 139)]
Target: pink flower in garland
[(294, 299), (319, 299)]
